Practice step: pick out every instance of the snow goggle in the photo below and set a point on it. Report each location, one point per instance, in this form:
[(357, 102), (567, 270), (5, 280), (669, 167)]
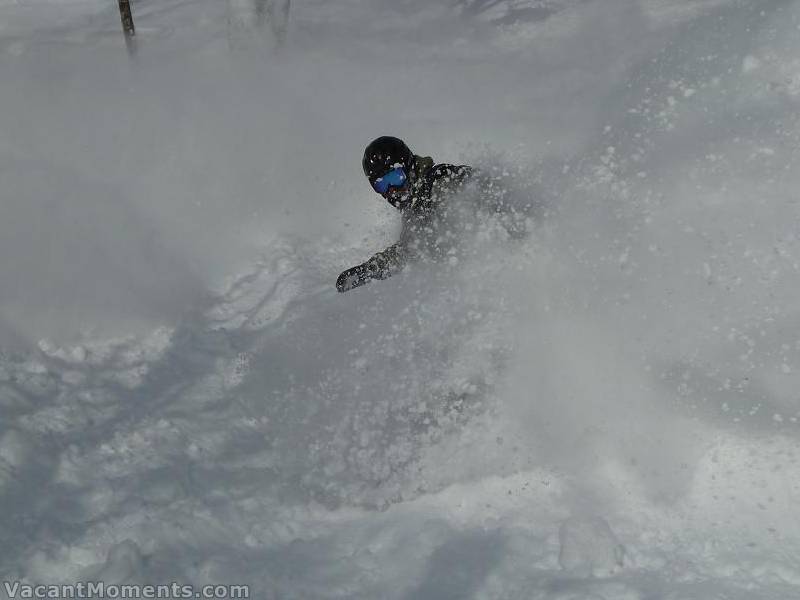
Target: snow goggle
[(394, 178)]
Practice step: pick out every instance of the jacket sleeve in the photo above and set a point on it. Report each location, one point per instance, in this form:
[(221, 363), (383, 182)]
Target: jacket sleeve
[(382, 265)]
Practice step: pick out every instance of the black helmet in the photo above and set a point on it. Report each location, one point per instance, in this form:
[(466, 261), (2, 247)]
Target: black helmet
[(385, 153)]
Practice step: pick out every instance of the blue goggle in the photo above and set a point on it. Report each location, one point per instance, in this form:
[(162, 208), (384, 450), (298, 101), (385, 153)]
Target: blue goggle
[(394, 178)]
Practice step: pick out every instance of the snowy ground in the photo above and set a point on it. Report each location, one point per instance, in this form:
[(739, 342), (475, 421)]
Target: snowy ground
[(605, 409)]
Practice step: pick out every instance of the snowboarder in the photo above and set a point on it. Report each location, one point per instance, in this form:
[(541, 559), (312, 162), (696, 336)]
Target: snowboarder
[(419, 190)]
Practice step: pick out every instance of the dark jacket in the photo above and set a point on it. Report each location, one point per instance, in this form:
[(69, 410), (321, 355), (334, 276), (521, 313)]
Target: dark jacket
[(431, 186)]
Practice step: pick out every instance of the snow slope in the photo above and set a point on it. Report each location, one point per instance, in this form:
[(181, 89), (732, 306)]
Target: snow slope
[(603, 408)]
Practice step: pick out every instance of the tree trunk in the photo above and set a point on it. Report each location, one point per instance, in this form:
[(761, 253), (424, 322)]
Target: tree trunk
[(278, 13), (127, 24), (254, 22)]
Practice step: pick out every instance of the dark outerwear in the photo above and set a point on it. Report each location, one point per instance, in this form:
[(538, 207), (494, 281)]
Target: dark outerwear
[(431, 186)]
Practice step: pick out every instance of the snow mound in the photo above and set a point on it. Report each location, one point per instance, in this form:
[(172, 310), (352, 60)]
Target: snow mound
[(589, 547)]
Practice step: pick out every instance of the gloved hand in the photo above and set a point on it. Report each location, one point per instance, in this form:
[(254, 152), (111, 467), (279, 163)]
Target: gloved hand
[(352, 278)]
